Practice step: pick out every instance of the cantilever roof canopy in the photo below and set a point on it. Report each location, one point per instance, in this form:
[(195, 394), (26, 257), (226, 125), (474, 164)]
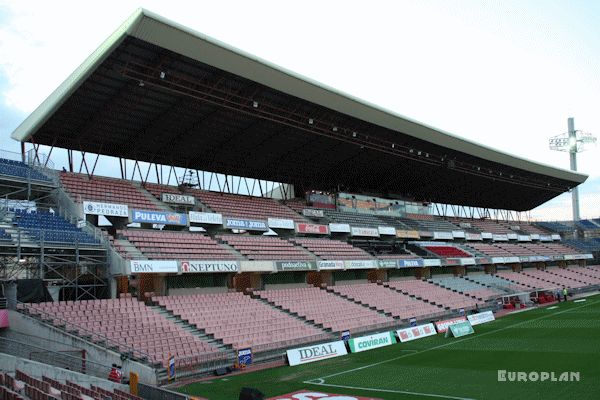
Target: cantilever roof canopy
[(159, 92)]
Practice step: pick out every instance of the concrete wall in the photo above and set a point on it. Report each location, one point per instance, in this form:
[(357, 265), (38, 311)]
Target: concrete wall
[(10, 363), (46, 336)]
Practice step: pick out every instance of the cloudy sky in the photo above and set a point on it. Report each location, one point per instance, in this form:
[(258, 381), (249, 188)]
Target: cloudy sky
[(506, 74)]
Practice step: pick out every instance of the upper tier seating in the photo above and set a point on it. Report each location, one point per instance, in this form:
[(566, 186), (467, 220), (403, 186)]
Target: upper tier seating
[(468, 287), (448, 251), (486, 225), (390, 301), (131, 324), (332, 249), (587, 225), (4, 236), (497, 282), (266, 248), (21, 170), (353, 219), (435, 294), (50, 227), (431, 223), (241, 321), (108, 190), (327, 309), (586, 246), (166, 245), (232, 205)]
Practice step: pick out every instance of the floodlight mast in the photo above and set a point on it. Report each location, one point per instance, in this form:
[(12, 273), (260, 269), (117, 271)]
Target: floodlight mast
[(574, 142)]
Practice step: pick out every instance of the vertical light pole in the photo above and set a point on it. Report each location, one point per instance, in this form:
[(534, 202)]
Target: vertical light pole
[(574, 142)]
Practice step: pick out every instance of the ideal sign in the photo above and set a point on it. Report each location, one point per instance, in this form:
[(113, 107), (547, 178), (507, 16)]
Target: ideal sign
[(205, 218), (106, 209), (312, 229), (178, 199), (318, 352), (152, 266), (158, 217), (209, 266), (416, 332)]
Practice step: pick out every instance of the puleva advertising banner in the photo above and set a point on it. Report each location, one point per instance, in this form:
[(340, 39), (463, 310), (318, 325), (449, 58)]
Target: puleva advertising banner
[(442, 326), (481, 318), (158, 217), (316, 352), (416, 332), (460, 329), (370, 342)]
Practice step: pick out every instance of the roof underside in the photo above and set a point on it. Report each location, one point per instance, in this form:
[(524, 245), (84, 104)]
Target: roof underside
[(201, 116)]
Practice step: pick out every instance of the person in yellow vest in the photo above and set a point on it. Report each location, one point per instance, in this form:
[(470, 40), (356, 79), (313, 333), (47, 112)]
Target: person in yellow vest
[(565, 293)]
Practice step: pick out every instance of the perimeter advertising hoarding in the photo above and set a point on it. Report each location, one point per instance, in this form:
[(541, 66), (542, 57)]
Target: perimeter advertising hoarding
[(387, 263), (158, 217), (205, 218), (339, 228), (178, 199), (416, 332), (458, 234), (443, 235), (309, 212), (500, 238), (327, 264), (246, 224), (106, 209), (360, 264), (279, 223), (486, 235), (296, 265), (481, 318), (209, 266), (387, 230), (371, 342), (442, 326), (524, 238), (404, 234), (316, 352), (366, 232), (410, 263), (315, 229), (473, 236), (153, 266)]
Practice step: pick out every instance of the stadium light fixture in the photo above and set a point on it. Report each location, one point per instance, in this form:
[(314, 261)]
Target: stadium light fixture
[(573, 142)]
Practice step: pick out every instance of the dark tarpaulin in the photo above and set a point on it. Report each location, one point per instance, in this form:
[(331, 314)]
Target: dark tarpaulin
[(32, 291)]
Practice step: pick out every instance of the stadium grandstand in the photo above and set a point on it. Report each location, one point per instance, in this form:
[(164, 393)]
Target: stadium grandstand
[(289, 215)]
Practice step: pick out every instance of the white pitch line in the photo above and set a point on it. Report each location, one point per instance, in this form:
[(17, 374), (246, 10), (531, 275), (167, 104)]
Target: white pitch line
[(440, 396), (447, 344)]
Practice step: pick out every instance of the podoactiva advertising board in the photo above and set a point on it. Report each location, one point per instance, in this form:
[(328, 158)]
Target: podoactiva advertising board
[(316, 352), (371, 342), (481, 318), (416, 332)]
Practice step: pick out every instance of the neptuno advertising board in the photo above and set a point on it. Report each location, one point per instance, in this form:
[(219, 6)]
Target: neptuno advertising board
[(206, 218), (316, 352), (481, 318), (371, 342), (327, 264), (416, 332), (106, 209), (153, 266), (178, 199), (158, 217), (209, 266)]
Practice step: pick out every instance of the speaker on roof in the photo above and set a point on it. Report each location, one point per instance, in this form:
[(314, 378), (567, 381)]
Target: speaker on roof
[(251, 394)]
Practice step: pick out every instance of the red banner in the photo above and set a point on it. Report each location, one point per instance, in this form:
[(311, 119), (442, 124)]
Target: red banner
[(306, 395), (442, 326), (312, 228)]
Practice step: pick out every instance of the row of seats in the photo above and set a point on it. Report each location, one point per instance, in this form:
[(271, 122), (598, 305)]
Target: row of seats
[(435, 294), (465, 286), (448, 251), (48, 226), (266, 248), (21, 170)]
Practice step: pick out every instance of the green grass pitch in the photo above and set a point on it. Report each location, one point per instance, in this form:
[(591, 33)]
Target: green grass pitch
[(562, 339)]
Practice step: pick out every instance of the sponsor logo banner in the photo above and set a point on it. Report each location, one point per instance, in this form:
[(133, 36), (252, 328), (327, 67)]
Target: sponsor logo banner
[(410, 263), (555, 237), (481, 318), (545, 238), (486, 235), (178, 199), (525, 259), (360, 264), (464, 225), (483, 260), (278, 223), (206, 218), (498, 260), (158, 217), (511, 259), (209, 266), (246, 224), (512, 236), (443, 235), (473, 236), (500, 238), (153, 266), (244, 357), (535, 236), (369, 232), (341, 228), (296, 265), (312, 228), (387, 230), (524, 238), (460, 329), (442, 326), (458, 234), (330, 265), (452, 261), (370, 342), (432, 262), (387, 263), (311, 395), (317, 352), (467, 261), (416, 332), (106, 209), (309, 212), (407, 234), (515, 227), (425, 234)]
